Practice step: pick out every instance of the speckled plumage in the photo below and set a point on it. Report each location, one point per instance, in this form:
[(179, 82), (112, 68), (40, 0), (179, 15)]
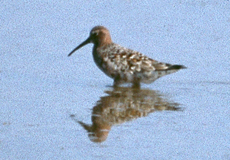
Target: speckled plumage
[(122, 64)]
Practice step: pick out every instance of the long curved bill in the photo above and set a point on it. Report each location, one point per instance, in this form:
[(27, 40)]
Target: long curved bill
[(81, 45)]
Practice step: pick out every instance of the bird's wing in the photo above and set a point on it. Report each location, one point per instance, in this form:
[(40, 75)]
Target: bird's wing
[(134, 61), (142, 63)]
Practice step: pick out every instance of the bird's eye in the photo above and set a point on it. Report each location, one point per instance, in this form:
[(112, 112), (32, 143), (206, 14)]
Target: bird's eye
[(95, 33)]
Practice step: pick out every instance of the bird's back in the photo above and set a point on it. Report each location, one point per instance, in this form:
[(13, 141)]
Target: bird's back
[(129, 66)]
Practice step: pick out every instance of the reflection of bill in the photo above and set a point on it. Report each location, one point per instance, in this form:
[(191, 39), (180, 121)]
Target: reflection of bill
[(123, 104)]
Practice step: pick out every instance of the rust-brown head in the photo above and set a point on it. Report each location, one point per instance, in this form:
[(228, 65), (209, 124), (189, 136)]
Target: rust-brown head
[(99, 36)]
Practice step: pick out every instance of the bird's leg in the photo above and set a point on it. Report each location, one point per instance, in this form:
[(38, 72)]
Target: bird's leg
[(136, 85), (117, 81)]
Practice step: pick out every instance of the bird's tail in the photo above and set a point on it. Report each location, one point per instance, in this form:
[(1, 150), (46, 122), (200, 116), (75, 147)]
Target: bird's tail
[(170, 69), (176, 67)]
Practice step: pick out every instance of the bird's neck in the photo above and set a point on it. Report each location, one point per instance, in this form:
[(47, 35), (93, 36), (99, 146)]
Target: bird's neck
[(103, 41)]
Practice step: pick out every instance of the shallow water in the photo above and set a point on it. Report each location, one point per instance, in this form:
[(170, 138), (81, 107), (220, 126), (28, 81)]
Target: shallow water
[(55, 107)]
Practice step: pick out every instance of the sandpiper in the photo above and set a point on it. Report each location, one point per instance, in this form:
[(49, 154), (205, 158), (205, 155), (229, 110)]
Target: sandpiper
[(122, 64)]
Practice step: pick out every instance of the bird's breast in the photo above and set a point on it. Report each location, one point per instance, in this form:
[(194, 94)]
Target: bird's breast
[(109, 60)]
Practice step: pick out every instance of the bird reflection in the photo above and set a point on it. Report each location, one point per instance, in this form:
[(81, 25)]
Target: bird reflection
[(123, 104)]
